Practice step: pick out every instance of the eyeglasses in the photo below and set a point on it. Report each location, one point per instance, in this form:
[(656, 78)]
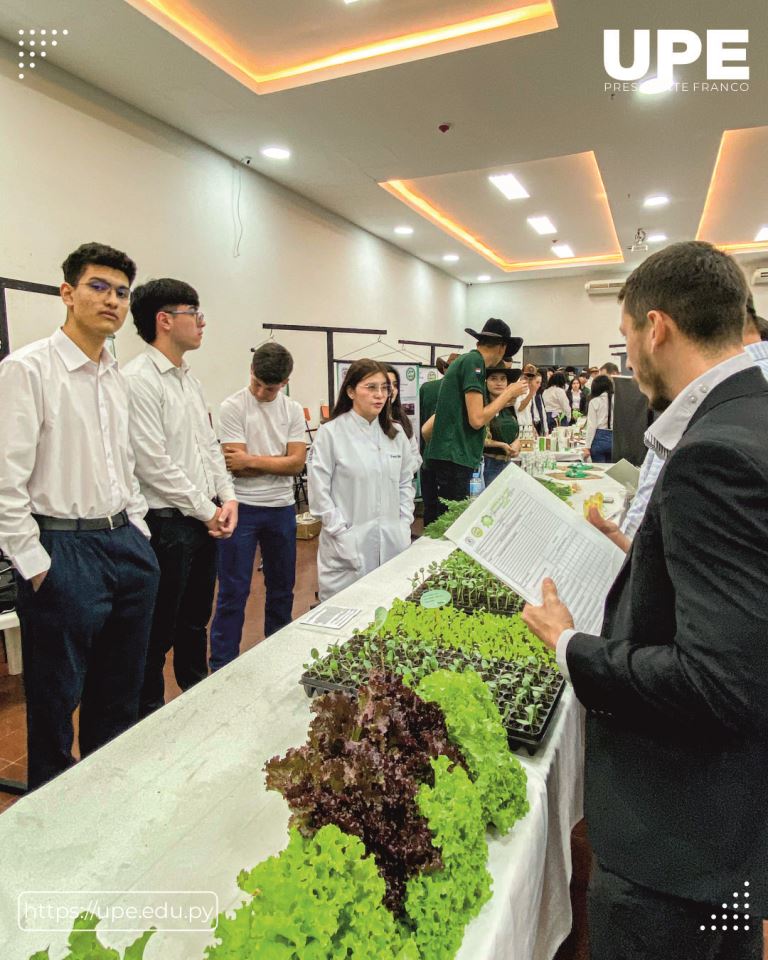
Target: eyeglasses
[(199, 317), (376, 388), (101, 286)]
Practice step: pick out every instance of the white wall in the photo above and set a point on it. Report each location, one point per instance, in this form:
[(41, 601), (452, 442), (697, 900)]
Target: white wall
[(78, 165)]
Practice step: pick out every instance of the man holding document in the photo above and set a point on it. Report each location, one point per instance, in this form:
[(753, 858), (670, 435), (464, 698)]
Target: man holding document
[(676, 688)]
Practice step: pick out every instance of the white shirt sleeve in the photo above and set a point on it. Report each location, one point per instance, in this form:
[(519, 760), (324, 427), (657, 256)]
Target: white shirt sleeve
[(561, 651), (137, 505), (21, 400), (232, 423), (153, 464), (320, 468), (297, 428), (407, 491), (225, 489), (592, 415), (565, 406)]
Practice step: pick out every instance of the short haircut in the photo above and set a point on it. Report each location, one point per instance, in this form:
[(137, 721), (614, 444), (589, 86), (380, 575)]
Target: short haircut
[(490, 342), (271, 363), (100, 255), (150, 298), (610, 368), (557, 380), (759, 323), (701, 288)]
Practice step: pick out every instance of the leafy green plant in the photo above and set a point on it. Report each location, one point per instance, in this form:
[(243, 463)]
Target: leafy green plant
[(439, 904), (84, 944), (455, 508), (560, 490), (319, 899), (361, 768), (469, 583), (474, 724)]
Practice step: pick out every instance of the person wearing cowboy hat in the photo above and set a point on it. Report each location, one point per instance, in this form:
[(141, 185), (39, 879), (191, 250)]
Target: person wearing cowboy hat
[(456, 433), (501, 441)]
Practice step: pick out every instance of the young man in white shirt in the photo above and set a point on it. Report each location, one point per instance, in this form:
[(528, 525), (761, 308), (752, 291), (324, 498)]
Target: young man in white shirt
[(182, 474), (263, 435), (72, 520)]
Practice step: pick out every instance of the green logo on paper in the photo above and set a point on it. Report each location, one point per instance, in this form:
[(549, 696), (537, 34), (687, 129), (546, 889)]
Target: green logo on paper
[(435, 598), (410, 373), (487, 521), (478, 531), (432, 375)]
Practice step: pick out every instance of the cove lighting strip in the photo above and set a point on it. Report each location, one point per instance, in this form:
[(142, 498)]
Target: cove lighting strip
[(722, 173), (399, 189), (180, 19)]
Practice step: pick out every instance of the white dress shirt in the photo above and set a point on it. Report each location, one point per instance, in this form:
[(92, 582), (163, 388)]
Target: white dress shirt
[(597, 416), (178, 459), (556, 402), (64, 445), (664, 435)]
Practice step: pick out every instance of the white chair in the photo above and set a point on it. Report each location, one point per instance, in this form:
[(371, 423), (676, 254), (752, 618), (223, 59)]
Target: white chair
[(9, 624)]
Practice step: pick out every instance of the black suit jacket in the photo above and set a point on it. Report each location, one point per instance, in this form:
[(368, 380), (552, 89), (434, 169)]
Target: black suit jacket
[(676, 689)]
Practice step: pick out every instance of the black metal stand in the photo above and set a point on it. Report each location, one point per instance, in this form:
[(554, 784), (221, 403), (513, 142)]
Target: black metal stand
[(7, 284)]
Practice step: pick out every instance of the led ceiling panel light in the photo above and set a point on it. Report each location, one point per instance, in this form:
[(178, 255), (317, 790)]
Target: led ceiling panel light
[(222, 45), (510, 186), (542, 225)]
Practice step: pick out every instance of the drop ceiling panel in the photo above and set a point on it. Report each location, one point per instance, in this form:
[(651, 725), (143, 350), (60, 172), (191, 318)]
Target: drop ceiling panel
[(272, 46)]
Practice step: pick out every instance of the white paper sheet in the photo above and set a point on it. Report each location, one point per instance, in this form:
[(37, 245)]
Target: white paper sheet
[(329, 618), (522, 533)]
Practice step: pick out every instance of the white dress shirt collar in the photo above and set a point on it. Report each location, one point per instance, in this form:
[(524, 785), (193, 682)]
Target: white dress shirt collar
[(368, 426), (162, 362), (664, 435), (73, 357)]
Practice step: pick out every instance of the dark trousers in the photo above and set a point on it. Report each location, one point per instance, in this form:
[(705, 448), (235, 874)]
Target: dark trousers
[(492, 468), (452, 480), (186, 554), (630, 922), (429, 495), (275, 529), (601, 450), (84, 638)]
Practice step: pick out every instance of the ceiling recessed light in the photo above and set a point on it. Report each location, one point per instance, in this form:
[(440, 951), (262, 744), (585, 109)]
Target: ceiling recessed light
[(762, 235), (404, 231), (483, 278), (542, 225), (276, 153), (657, 238), (654, 85), (656, 201), (451, 257), (510, 186), (562, 250)]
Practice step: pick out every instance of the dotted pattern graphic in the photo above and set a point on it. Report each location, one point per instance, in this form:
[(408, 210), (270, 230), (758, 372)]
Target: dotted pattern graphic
[(36, 43), (740, 919)]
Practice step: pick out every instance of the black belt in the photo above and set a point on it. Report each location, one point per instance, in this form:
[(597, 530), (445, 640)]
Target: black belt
[(94, 523), (164, 513)]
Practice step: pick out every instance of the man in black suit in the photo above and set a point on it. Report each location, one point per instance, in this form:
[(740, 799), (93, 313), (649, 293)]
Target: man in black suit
[(676, 688)]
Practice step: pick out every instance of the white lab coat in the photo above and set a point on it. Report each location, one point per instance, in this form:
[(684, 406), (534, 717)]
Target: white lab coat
[(361, 487)]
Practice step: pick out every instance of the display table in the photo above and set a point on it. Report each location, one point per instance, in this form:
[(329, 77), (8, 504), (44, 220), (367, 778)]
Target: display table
[(178, 803)]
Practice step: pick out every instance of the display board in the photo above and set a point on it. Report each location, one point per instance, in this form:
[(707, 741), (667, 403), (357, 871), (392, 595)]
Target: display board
[(409, 374), (631, 417)]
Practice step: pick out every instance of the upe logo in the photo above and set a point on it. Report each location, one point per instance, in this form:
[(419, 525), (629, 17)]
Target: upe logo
[(677, 48)]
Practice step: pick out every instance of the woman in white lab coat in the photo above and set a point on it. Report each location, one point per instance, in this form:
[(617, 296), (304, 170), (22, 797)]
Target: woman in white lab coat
[(360, 481)]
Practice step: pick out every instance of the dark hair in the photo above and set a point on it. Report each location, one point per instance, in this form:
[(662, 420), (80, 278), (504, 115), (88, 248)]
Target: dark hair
[(557, 380), (514, 375), (491, 342), (149, 299), (359, 370), (701, 288), (271, 363), (600, 385), (398, 414), (756, 321), (610, 368), (100, 255)]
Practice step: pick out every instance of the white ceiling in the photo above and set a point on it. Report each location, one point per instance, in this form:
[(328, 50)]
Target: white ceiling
[(512, 102)]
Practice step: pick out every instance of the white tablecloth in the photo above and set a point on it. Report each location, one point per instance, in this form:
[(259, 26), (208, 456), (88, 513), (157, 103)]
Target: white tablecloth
[(179, 803)]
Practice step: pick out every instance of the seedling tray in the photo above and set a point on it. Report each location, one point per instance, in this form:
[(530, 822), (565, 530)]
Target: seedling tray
[(434, 584), (526, 737)]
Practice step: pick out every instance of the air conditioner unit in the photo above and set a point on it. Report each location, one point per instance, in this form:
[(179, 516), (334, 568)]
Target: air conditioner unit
[(601, 288), (760, 276)]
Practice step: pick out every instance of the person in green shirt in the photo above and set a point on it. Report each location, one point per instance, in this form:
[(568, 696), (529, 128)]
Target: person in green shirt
[(501, 441), (428, 394), (456, 433)]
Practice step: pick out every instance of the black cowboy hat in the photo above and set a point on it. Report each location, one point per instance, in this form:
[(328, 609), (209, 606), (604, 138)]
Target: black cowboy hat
[(497, 329), (512, 375)]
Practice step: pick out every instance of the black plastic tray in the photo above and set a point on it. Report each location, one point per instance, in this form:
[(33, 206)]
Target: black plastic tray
[(415, 596)]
